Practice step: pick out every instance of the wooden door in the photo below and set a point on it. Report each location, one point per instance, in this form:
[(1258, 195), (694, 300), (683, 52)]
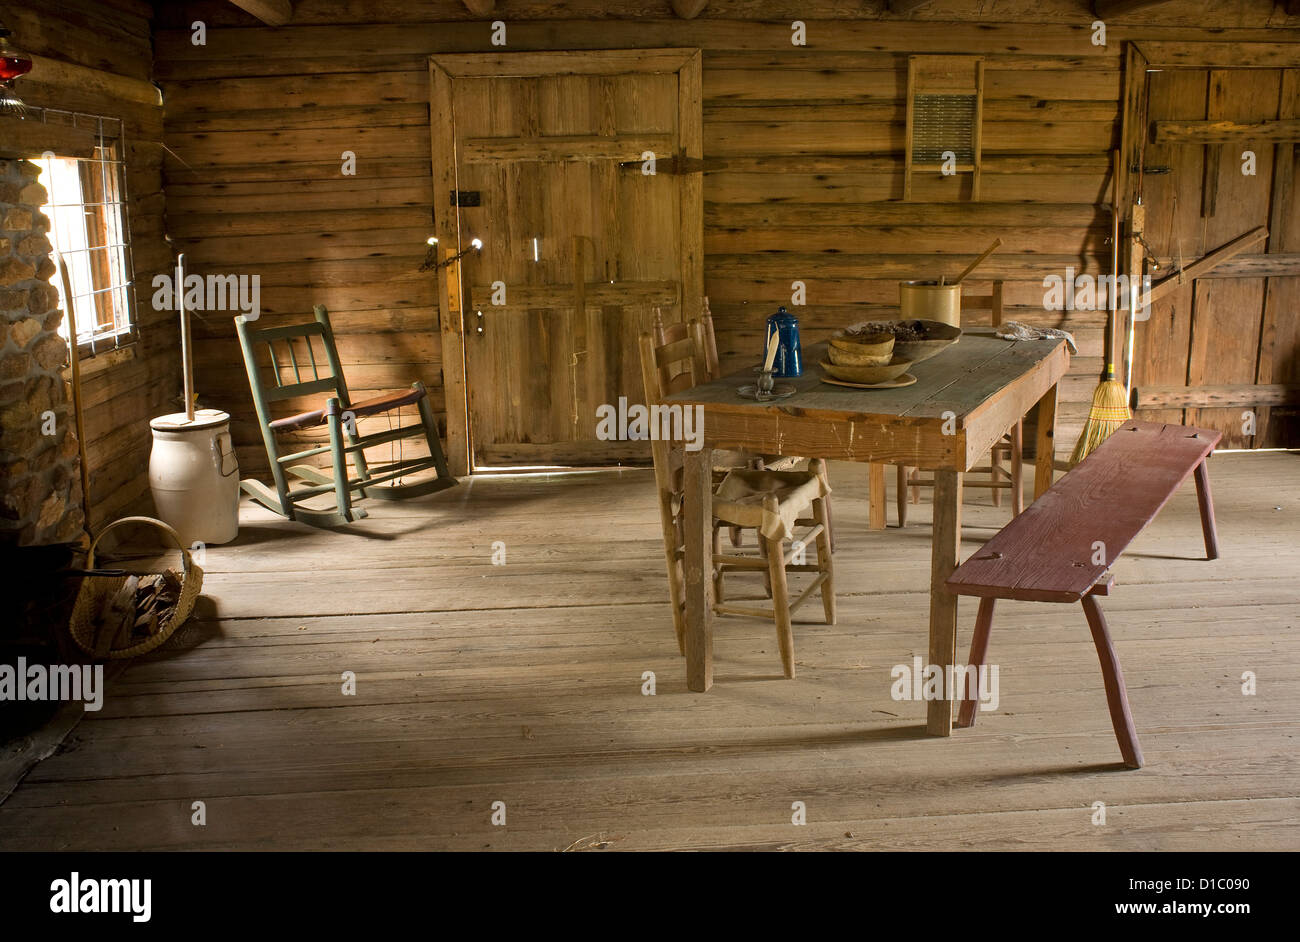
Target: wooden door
[(579, 245), (1224, 350)]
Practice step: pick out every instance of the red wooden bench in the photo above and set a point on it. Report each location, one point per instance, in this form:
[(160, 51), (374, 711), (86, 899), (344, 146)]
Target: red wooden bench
[(1050, 552)]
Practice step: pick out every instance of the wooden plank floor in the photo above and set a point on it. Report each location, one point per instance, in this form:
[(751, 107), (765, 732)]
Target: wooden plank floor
[(522, 683)]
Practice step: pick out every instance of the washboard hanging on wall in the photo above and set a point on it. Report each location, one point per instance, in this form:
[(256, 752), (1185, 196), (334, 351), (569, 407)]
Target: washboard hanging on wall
[(945, 106)]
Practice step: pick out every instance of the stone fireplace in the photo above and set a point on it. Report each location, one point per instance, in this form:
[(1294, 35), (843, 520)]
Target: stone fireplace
[(40, 486), (40, 480)]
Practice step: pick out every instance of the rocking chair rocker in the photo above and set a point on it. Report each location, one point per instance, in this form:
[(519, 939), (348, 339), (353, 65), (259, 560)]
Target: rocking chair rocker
[(339, 414)]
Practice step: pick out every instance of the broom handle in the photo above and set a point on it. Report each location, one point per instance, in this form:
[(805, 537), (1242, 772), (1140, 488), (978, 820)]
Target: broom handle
[(1112, 320), (78, 414)]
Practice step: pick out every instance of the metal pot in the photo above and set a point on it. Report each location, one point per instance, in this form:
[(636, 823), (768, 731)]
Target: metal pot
[(930, 301)]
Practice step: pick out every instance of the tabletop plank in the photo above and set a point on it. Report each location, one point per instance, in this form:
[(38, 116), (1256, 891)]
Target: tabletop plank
[(959, 380), (977, 385)]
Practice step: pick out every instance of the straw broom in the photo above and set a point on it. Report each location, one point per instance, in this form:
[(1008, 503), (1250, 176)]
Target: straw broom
[(1110, 400)]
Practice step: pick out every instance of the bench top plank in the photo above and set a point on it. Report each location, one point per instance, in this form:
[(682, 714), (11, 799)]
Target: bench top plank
[(1047, 553)]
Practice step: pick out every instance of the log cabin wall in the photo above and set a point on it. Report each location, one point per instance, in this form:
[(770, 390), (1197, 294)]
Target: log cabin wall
[(804, 147), (108, 52)]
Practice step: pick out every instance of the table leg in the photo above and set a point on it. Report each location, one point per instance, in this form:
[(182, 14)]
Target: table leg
[(697, 525), (877, 500), (1017, 468), (944, 555), (902, 496), (1046, 447)]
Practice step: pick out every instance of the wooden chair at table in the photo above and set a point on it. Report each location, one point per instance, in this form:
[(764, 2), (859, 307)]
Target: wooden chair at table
[(743, 495), (665, 334), (1010, 448), (339, 414)]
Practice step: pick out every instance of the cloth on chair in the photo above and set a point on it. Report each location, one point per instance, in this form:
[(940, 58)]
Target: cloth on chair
[(739, 499), (727, 459)]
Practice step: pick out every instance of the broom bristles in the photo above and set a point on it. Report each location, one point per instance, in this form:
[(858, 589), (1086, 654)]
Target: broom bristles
[(1109, 411)]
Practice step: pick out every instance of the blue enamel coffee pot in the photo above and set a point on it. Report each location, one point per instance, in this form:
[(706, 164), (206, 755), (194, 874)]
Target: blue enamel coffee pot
[(789, 361)]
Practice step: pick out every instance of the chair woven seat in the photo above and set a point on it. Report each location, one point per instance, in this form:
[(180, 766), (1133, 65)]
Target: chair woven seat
[(372, 406), (739, 499)]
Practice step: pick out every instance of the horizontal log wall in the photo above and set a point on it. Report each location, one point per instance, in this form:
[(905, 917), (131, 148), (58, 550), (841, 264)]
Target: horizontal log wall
[(804, 147), (121, 391)]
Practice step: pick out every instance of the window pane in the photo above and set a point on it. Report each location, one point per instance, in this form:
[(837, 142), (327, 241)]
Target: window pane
[(88, 229)]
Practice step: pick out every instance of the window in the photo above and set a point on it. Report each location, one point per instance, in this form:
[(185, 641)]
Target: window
[(89, 228)]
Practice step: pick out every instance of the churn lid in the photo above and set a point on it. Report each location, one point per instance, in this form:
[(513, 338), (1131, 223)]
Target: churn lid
[(203, 418)]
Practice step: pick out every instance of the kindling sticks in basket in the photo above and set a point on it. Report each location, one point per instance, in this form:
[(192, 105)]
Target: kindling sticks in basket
[(125, 616)]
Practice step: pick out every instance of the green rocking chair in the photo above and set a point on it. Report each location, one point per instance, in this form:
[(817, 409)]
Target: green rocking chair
[(339, 414)]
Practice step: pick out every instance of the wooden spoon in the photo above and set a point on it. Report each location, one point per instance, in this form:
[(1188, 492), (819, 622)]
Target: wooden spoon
[(973, 265)]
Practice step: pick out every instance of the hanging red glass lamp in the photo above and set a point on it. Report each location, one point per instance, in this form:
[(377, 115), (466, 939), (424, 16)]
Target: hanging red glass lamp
[(13, 63)]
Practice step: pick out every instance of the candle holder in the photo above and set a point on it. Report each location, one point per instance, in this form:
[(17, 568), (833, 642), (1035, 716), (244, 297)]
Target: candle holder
[(765, 384)]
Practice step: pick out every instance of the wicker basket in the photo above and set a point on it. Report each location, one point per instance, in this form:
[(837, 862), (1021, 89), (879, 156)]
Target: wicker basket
[(95, 589)]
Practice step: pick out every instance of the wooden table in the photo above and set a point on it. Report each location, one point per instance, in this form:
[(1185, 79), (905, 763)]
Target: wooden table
[(964, 400)]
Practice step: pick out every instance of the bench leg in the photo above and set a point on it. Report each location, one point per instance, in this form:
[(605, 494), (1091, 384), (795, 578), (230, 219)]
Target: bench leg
[(1206, 501), (979, 647), (1116, 696)]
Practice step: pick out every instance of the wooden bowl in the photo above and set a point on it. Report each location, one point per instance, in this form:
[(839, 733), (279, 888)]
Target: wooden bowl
[(867, 345), (868, 375), (841, 356), (938, 337)]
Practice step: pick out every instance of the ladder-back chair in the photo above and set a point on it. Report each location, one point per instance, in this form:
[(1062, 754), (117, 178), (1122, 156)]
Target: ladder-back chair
[(750, 498), (297, 356), (665, 334)]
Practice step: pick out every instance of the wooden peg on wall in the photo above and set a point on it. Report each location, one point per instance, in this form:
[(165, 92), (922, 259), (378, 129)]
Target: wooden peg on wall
[(689, 9), (480, 7)]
